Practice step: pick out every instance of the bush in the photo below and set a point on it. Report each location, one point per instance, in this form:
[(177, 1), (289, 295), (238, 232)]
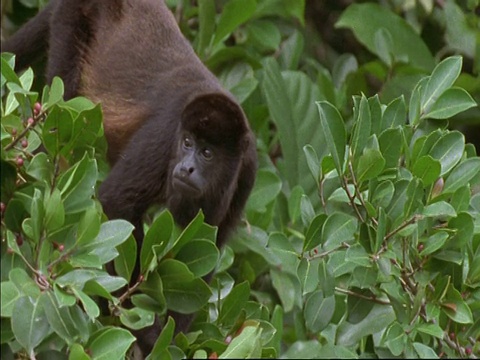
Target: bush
[(363, 230)]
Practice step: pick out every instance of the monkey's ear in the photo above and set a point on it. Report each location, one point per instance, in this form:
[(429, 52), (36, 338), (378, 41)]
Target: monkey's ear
[(217, 118)]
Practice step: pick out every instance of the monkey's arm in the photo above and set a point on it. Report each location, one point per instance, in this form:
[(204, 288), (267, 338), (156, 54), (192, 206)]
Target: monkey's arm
[(246, 180), (138, 177)]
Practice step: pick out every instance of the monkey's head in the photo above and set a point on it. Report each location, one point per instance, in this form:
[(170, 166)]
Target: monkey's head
[(213, 138)]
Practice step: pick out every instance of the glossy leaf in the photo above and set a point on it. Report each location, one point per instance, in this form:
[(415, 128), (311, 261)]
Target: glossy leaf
[(450, 103), (234, 303), (462, 174), (370, 164), (407, 43), (318, 311), (338, 228), (376, 320), (448, 150), (200, 256), (234, 14), (334, 133), (442, 78), (110, 343), (30, 324)]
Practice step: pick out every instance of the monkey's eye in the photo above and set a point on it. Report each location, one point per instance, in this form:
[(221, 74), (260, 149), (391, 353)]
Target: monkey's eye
[(207, 154), (187, 142)]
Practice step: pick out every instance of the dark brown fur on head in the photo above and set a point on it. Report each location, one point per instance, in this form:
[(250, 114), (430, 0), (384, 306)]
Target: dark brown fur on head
[(216, 119)]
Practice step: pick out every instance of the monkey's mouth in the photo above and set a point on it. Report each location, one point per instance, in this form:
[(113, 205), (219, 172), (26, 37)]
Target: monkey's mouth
[(184, 186)]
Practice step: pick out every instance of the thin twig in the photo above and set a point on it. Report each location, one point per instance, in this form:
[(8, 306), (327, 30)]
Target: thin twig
[(361, 296)]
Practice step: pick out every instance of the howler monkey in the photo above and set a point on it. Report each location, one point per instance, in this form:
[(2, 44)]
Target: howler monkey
[(175, 136)]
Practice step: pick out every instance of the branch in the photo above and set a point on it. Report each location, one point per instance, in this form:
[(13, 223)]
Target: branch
[(361, 296)]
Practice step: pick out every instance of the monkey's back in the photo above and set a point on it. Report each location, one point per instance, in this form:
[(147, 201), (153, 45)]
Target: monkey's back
[(140, 67)]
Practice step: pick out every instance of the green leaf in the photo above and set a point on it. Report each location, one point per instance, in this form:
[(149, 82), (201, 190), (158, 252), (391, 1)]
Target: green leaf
[(184, 293), (163, 341), (307, 273), (334, 132), (77, 352), (291, 97), (434, 242), (442, 78), (112, 233), (41, 168), (87, 128), (313, 162), (303, 349), (313, 237), (267, 187), (396, 339), (377, 319), (280, 245), (77, 185), (59, 318), (153, 287), (9, 296), (381, 229), (29, 323), (358, 255), (287, 287), (461, 33), (318, 311), (206, 17), (38, 213), (197, 229), (439, 209), (88, 226), (54, 210), (448, 150), (235, 13), (137, 318), (246, 345), (234, 303), (200, 256), (264, 35), (326, 279), (384, 46), (431, 329), (159, 235), (424, 351), (395, 114), (383, 194), (462, 174), (361, 129), (338, 228), (414, 106), (370, 165), (57, 130), (451, 102), (427, 169), (456, 308), (307, 212), (8, 73), (407, 43), (110, 343), (24, 282), (126, 259), (390, 142), (90, 307), (56, 92)]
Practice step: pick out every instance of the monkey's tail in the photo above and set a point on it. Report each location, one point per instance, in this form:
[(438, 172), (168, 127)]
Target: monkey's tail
[(30, 42)]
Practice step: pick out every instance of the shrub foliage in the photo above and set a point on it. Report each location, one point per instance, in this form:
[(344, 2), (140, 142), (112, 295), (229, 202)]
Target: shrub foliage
[(362, 234)]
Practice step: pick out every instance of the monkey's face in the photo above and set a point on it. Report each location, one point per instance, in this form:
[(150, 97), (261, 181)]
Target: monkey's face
[(193, 173)]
